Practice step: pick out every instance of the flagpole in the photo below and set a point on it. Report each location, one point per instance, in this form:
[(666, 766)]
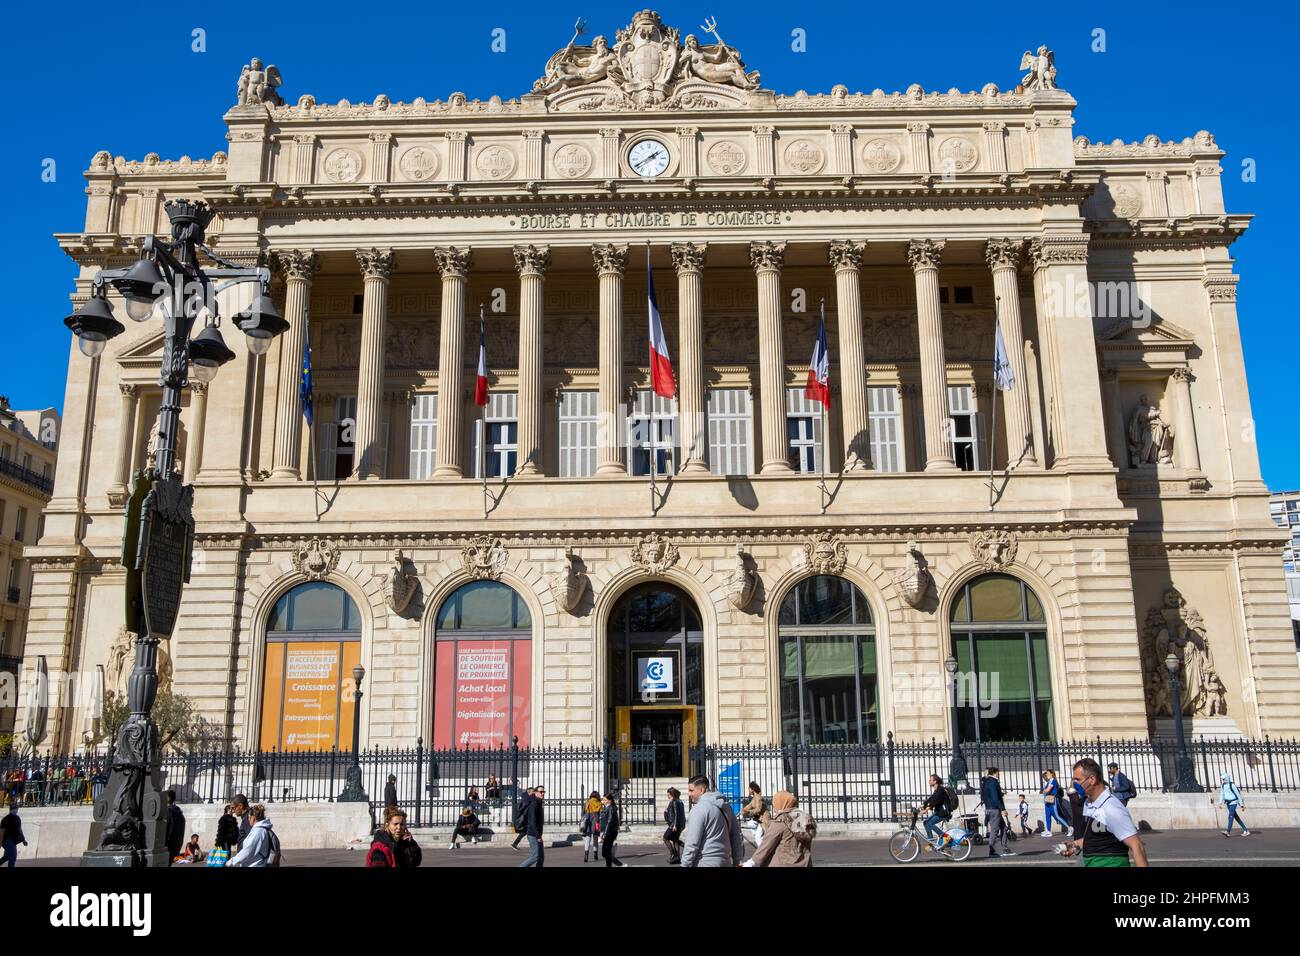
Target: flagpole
[(311, 428), (482, 425), (821, 487), (993, 418)]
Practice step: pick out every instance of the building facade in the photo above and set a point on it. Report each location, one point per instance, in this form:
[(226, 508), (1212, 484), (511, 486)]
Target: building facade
[(580, 558), (28, 452), (1285, 509)]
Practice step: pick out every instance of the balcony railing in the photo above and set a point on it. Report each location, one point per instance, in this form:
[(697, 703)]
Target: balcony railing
[(15, 595), (27, 476)]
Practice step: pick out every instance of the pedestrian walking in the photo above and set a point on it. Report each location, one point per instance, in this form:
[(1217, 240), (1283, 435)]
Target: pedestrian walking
[(1022, 810), (754, 813), (1108, 832), (589, 826), (520, 831), (991, 795), (1230, 797), (390, 791), (610, 821), (675, 818), (533, 824), (788, 836), (466, 827), (1052, 797), (175, 827), (11, 834), (1120, 784), (712, 831), (227, 837), (261, 847)]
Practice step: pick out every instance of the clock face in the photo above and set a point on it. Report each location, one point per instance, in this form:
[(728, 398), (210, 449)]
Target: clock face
[(648, 158)]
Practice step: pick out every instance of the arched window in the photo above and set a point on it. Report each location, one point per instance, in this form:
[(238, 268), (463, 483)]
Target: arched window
[(313, 640), (482, 668), (999, 635), (828, 664)]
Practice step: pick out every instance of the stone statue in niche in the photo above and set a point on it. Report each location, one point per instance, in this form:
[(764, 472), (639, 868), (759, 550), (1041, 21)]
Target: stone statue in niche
[(1150, 437), (1175, 628)]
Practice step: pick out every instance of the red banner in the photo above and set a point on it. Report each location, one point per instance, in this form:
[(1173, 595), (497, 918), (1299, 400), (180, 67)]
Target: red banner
[(481, 697)]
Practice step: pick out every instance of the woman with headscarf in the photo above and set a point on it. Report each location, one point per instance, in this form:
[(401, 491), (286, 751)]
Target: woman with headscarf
[(1230, 797), (787, 839)]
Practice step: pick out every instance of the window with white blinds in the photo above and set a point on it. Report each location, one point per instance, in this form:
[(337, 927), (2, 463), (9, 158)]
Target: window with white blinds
[(731, 428), (334, 441), (886, 427), (502, 424), (651, 430), (805, 441), (424, 435), (964, 427), (578, 421)]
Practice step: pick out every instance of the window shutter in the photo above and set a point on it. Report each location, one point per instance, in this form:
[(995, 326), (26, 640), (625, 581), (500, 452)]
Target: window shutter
[(326, 450), (730, 427), (381, 450), (577, 434), (798, 405), (885, 427), (424, 435)]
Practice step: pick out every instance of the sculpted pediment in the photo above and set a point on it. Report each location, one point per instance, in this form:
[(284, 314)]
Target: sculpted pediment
[(647, 67), (1160, 333)]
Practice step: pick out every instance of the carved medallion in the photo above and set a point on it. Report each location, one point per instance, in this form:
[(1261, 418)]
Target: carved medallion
[(741, 582), (726, 158), (484, 557), (913, 578), (315, 558), (823, 554), (805, 156), (957, 154), (654, 554), (993, 549), (568, 586), (342, 165), (495, 162), (418, 163), (1128, 201), (572, 160), (881, 155)]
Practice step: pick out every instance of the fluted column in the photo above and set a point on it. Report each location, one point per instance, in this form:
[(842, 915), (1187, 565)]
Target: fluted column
[(846, 257), (1004, 257), (298, 267), (125, 429), (532, 262), (767, 259), (688, 260), (611, 261), (1186, 451), (198, 419), (924, 255), (376, 267), (454, 264)]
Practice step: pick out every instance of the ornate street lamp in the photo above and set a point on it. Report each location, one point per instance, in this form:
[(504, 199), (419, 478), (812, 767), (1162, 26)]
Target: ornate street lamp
[(957, 765), (354, 792), (1184, 776), (168, 280)]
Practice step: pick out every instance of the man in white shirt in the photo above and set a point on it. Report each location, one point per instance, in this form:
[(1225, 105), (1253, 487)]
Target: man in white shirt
[(1109, 832)]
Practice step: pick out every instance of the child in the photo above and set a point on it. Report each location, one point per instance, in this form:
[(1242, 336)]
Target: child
[(1023, 811)]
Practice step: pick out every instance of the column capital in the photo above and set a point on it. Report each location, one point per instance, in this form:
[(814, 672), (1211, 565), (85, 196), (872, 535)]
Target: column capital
[(377, 263), (767, 256), (610, 259), (846, 254), (687, 130), (532, 260), (1181, 374), (688, 257), (128, 389), (610, 132), (918, 127), (456, 135), (1047, 251), (1110, 375), (924, 253), (296, 263), (198, 388), (995, 126), (381, 137), (453, 261), (534, 133), (1004, 253)]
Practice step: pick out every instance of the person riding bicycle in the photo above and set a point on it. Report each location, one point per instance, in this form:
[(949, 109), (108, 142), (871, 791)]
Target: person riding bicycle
[(941, 803)]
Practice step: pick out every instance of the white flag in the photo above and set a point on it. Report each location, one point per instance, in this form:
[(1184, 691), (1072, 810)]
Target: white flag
[(1003, 377)]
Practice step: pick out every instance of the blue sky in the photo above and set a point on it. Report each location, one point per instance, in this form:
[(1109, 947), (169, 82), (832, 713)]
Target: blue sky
[(1167, 69)]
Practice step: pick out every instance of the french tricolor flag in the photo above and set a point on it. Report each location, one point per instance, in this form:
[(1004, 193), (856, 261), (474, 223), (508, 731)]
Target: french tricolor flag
[(480, 384), (661, 367), (818, 388)]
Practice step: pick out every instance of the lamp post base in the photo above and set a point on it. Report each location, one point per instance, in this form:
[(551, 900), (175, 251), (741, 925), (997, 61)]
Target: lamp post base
[(125, 859), (1185, 776)]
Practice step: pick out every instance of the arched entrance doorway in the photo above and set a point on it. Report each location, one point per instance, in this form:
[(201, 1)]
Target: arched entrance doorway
[(656, 674)]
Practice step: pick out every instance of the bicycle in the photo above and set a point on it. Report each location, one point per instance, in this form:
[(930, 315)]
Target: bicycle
[(905, 845)]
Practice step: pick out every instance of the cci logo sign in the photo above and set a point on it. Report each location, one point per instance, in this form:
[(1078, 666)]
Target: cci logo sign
[(656, 675)]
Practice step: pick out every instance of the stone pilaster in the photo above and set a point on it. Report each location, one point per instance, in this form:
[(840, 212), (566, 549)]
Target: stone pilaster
[(1186, 450), (688, 138), (924, 256), (117, 491), (381, 152), (376, 267), (454, 264), (846, 258), (534, 141), (611, 261), (842, 140), (1239, 422), (918, 139), (1117, 439), (688, 260), (532, 263), (198, 423), (457, 156), (768, 258), (609, 137), (764, 153), (302, 168), (1004, 257), (298, 266)]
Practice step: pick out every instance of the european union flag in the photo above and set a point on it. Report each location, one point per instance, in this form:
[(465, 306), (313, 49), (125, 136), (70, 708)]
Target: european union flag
[(304, 391)]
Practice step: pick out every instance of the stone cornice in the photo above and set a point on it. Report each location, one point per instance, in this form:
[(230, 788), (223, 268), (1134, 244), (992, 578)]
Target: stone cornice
[(1151, 147), (105, 164), (1184, 232)]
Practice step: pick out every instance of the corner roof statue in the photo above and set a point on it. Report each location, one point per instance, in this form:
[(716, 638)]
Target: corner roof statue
[(646, 67), (1042, 70), (258, 85)]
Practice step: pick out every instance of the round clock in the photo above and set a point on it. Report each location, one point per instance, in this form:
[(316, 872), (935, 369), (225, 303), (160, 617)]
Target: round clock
[(648, 158)]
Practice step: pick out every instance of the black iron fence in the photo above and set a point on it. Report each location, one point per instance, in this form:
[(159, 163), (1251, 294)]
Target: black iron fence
[(848, 783)]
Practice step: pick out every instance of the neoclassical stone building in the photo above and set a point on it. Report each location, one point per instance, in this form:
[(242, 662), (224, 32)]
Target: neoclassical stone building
[(739, 595)]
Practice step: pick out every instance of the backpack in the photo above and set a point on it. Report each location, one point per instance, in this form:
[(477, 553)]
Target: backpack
[(1132, 788), (273, 848), (521, 817), (950, 802)]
